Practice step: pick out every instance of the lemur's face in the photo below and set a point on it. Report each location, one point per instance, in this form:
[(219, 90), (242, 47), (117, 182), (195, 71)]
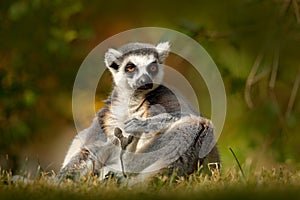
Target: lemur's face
[(137, 66), (140, 72)]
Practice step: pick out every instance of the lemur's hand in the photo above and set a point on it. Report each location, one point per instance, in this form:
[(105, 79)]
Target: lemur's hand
[(150, 125), (135, 126)]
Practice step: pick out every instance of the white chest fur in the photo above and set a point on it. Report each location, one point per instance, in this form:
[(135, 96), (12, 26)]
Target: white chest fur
[(124, 108)]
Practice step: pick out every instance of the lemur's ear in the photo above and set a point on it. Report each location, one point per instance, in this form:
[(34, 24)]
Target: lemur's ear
[(163, 49), (112, 59)]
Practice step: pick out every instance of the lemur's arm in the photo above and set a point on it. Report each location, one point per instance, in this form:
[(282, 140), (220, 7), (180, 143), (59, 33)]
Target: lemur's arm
[(153, 124)]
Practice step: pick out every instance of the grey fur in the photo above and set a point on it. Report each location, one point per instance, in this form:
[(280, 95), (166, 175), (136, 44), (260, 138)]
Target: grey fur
[(159, 130)]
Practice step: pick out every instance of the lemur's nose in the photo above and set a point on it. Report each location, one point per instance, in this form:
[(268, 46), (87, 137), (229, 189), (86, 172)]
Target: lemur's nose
[(144, 82), (144, 79)]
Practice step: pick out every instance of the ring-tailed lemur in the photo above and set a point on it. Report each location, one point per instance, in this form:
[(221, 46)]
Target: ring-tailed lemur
[(145, 126)]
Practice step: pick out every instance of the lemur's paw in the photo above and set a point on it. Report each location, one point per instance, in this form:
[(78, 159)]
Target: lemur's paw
[(135, 125)]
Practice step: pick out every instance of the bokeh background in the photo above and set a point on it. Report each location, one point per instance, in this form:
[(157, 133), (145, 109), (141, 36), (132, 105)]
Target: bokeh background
[(255, 44)]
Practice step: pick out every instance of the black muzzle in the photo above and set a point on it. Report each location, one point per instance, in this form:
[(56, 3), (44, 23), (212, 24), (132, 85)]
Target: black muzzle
[(144, 82)]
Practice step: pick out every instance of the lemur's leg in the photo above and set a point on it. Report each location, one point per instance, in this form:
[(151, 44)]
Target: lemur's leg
[(77, 162), (80, 159), (98, 158)]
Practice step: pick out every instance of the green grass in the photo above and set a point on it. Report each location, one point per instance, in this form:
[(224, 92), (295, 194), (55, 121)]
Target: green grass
[(274, 183)]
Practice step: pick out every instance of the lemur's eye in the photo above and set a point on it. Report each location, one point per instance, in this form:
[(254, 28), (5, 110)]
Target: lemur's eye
[(153, 68), (130, 67)]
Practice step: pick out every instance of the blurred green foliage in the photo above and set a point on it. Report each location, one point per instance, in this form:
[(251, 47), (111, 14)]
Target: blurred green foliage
[(38, 64), (42, 44)]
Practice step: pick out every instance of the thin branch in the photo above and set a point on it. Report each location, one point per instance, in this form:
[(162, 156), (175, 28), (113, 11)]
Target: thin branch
[(275, 65), (261, 75), (274, 69), (285, 7), (250, 79), (293, 95), (296, 10), (237, 161), (280, 115)]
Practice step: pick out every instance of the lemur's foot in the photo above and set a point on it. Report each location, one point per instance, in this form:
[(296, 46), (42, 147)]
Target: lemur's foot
[(125, 141)]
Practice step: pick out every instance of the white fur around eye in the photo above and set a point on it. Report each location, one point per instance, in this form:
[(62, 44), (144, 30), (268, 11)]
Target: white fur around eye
[(141, 61)]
